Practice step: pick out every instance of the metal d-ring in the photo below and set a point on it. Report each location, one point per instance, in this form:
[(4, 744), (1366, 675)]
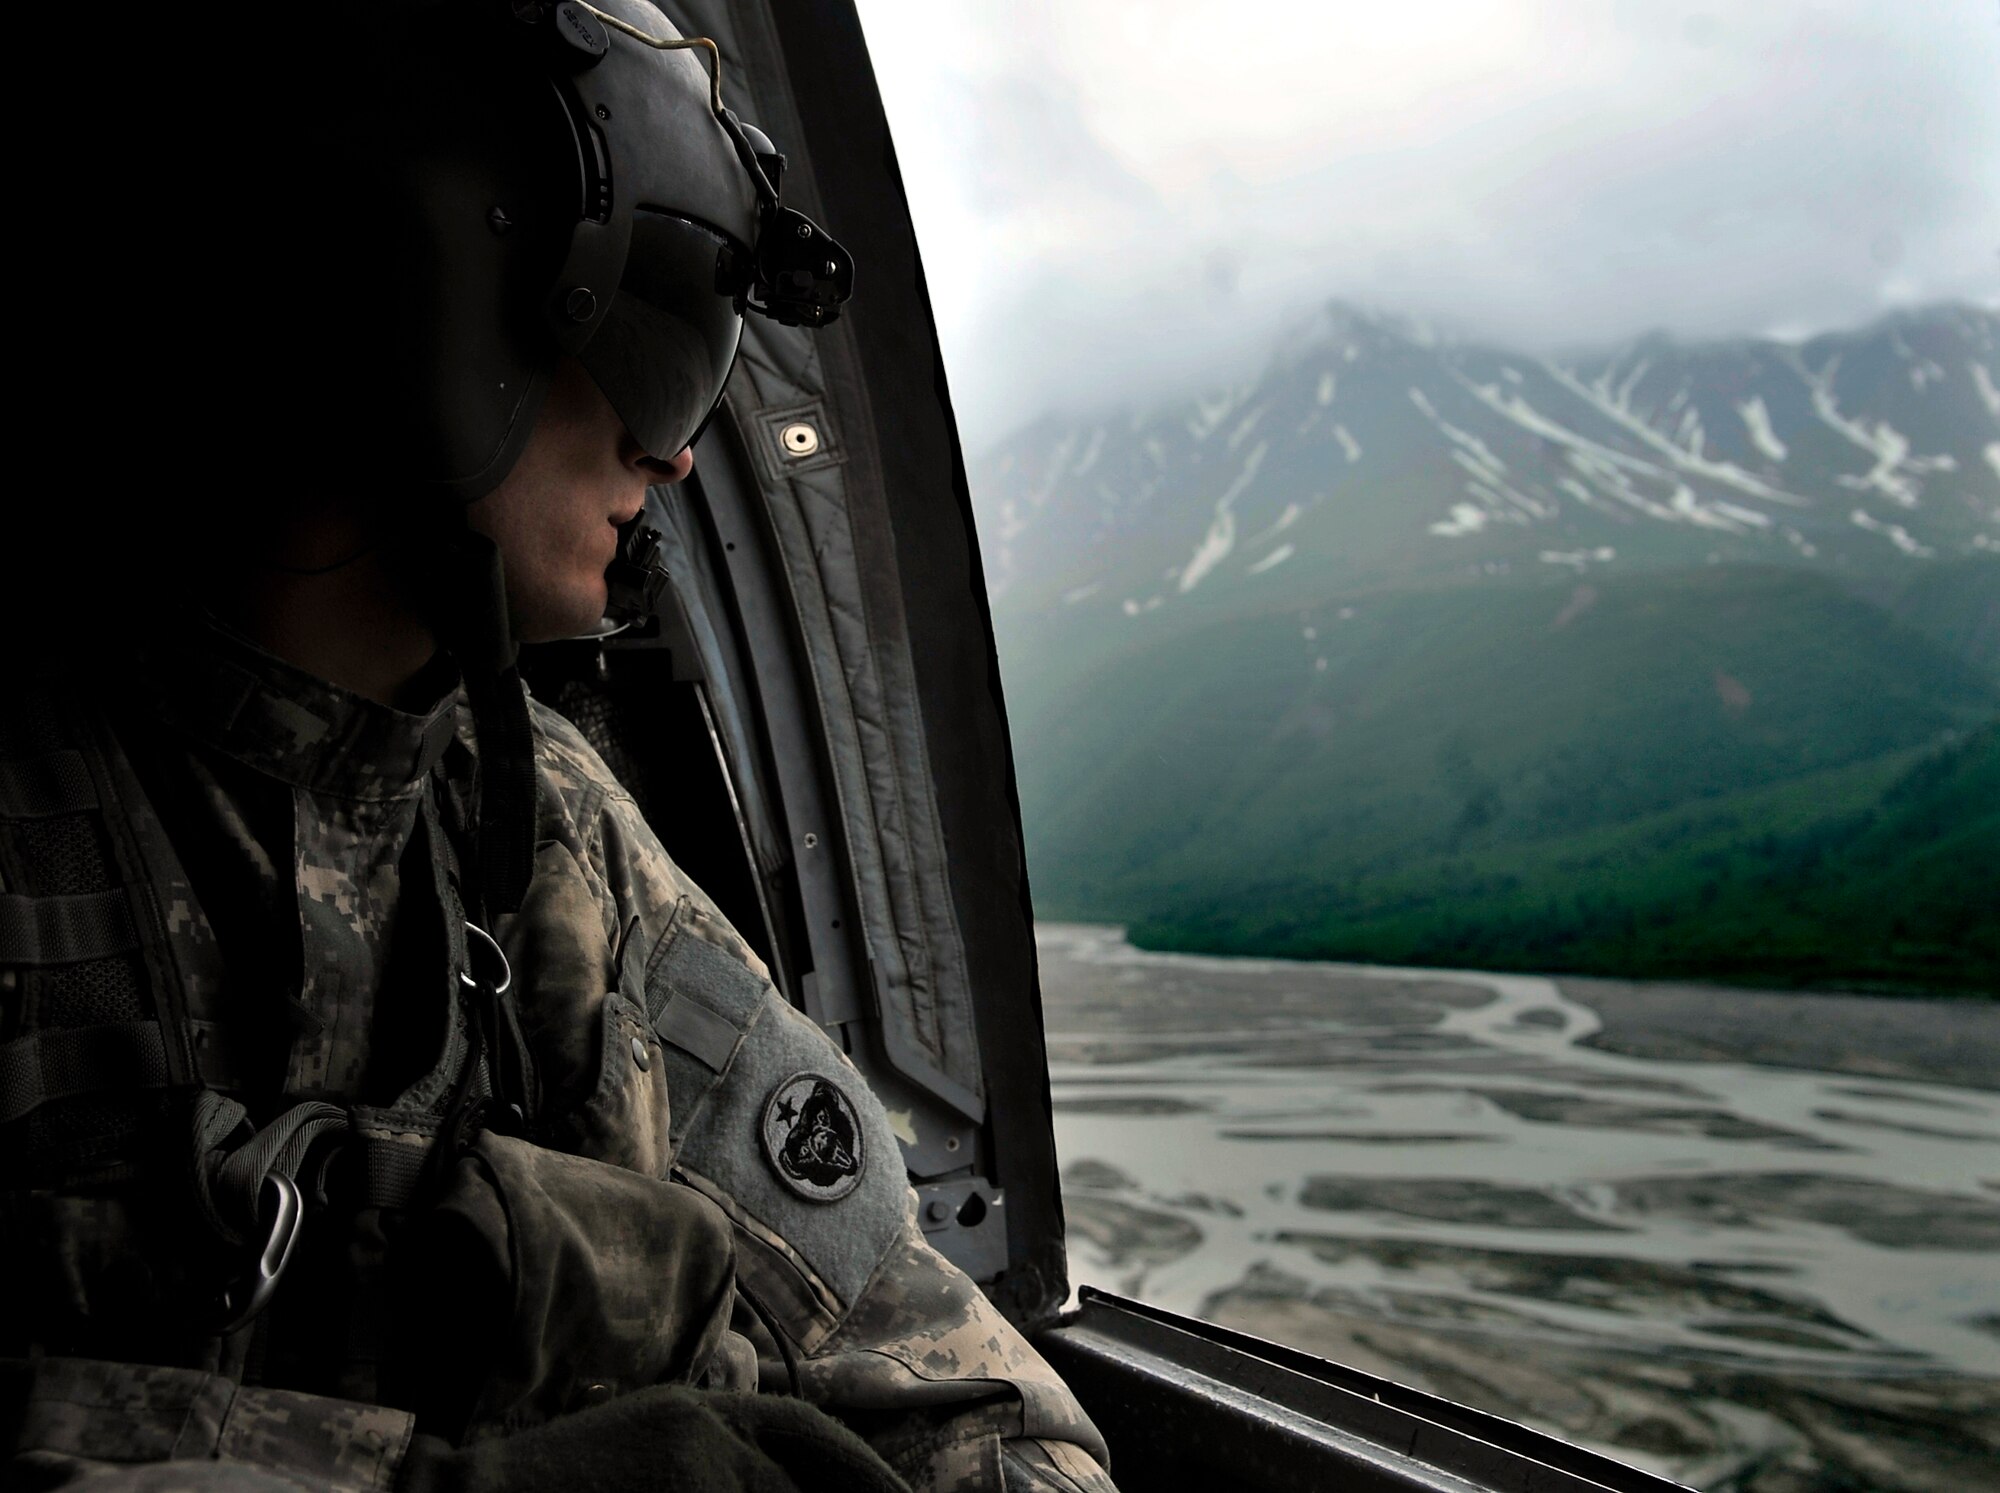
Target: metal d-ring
[(480, 948)]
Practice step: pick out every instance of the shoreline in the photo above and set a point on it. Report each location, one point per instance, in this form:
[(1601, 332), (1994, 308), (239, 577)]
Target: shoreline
[(1941, 1038), (1906, 1038)]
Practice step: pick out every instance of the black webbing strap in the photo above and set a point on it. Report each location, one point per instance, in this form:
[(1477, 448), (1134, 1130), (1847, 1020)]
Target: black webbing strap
[(506, 789), (392, 1169), (66, 929), (60, 1062), (472, 624), (45, 786)]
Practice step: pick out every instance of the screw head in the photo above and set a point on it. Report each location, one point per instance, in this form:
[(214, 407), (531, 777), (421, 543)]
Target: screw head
[(602, 112), (805, 230), (581, 304)]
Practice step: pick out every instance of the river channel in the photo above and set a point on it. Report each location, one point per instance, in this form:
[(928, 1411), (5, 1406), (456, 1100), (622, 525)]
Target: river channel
[(1753, 1278)]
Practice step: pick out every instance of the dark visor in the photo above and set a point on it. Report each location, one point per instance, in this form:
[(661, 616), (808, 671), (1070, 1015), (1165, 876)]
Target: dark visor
[(666, 345)]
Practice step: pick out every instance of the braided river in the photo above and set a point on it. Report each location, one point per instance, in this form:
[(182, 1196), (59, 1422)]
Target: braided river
[(1601, 1209)]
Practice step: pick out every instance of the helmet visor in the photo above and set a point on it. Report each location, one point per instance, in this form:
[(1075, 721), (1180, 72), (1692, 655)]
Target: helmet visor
[(665, 347)]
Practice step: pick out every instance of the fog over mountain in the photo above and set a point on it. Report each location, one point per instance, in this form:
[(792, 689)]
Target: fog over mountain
[(1373, 451), (1119, 202)]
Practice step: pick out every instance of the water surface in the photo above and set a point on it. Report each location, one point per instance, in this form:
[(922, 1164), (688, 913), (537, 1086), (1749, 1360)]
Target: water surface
[(1750, 1277)]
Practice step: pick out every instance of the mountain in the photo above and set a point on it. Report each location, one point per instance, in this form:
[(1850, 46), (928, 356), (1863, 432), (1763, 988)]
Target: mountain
[(1679, 661), (1374, 452)]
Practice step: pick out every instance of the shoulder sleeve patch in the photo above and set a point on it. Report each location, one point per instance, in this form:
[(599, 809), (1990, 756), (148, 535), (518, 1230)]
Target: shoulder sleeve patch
[(793, 1134)]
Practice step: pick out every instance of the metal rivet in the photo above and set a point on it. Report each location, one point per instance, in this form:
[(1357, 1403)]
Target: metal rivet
[(497, 220), (640, 1055), (799, 440), (581, 304), (937, 1210), (602, 112), (811, 839), (832, 269), (805, 230), (951, 1143)]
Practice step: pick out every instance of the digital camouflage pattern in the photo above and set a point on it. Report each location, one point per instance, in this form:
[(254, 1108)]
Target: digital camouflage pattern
[(82, 1414), (312, 801), (920, 1337)]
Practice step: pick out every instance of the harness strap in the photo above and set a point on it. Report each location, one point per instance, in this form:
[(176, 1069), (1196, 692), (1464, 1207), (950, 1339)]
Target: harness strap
[(45, 786), (228, 1178), (66, 929), (60, 1062)]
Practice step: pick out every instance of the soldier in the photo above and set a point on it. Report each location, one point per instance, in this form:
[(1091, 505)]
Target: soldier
[(381, 1106)]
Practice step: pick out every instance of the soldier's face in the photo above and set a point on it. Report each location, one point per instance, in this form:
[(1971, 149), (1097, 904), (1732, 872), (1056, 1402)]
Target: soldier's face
[(555, 516)]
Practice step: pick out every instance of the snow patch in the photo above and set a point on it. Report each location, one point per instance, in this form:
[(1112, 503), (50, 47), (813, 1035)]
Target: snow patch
[(1748, 516), (1889, 446), (1987, 391), (1993, 456), (1349, 446), (1221, 536), (1757, 420), (1273, 560), (1695, 512), (1580, 559), (1081, 593), (1284, 521), (1133, 608), (1896, 534), (1619, 412), (1326, 388), (1091, 452), (1465, 519), (1244, 426), (1210, 413)]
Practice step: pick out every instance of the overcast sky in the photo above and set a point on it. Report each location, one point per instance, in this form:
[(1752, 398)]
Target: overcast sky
[(1117, 197)]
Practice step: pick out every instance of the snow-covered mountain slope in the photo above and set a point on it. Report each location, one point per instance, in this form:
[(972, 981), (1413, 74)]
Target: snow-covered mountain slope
[(1371, 452)]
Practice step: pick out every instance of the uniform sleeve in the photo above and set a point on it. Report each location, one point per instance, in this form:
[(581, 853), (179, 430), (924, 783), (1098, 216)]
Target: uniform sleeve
[(774, 1124), (125, 1425)]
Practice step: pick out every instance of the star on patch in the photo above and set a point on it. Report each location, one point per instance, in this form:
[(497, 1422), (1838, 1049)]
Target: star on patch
[(812, 1138)]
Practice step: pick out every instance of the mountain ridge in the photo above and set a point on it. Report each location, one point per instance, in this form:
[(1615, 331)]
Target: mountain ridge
[(1373, 451)]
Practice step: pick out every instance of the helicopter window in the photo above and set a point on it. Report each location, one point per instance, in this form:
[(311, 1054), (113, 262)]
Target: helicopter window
[(1492, 519)]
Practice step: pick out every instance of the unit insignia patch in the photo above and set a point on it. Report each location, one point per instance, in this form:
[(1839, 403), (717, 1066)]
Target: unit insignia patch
[(812, 1138)]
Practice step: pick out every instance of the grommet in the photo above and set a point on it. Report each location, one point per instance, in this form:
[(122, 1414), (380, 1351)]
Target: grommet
[(581, 304), (811, 840), (799, 440), (640, 1056)]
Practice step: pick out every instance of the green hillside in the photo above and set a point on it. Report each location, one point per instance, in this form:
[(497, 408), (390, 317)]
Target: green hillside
[(1728, 773)]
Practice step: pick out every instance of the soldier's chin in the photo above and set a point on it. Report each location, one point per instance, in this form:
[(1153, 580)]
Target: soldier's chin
[(578, 613)]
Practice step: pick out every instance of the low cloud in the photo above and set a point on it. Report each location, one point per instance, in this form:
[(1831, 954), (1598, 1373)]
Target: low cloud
[(1115, 200)]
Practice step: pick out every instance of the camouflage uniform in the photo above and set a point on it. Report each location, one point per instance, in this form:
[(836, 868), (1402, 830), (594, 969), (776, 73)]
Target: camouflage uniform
[(302, 815)]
